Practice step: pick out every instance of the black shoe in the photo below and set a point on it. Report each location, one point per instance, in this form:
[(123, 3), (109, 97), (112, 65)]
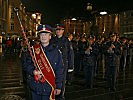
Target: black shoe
[(88, 86), (112, 89), (68, 83)]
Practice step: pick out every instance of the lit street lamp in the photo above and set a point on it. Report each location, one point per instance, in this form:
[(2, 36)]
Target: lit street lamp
[(103, 13), (34, 16), (93, 28), (74, 19), (89, 6)]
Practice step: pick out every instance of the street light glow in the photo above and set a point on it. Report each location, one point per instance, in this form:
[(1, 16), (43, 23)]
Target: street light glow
[(89, 6), (73, 19), (34, 16), (103, 13)]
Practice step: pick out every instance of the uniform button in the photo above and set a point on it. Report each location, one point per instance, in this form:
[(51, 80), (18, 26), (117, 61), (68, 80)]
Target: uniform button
[(55, 63), (44, 90)]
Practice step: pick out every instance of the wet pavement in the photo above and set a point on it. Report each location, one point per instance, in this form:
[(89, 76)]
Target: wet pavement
[(11, 83), (10, 76)]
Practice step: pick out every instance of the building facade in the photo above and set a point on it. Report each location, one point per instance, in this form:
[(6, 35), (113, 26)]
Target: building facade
[(9, 23), (3, 16), (108, 23), (76, 26), (12, 20), (121, 23), (126, 23)]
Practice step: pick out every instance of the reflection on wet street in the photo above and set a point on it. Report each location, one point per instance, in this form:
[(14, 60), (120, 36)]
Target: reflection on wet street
[(11, 77)]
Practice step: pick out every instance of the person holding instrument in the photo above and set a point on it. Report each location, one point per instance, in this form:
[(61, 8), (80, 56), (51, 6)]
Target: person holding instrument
[(112, 52), (90, 61)]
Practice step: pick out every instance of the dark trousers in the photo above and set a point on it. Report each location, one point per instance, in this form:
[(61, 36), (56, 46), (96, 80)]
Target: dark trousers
[(123, 62), (28, 94), (81, 62), (69, 76), (130, 60), (61, 95), (111, 76), (89, 75), (98, 63), (39, 97), (77, 63)]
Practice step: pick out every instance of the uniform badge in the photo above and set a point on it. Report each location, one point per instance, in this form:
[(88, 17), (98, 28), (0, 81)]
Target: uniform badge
[(44, 27), (37, 50)]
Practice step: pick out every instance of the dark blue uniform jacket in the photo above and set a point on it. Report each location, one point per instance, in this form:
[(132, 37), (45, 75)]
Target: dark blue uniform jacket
[(63, 45), (90, 59), (55, 59), (112, 59)]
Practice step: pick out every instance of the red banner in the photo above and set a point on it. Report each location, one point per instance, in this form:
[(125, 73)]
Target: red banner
[(45, 67)]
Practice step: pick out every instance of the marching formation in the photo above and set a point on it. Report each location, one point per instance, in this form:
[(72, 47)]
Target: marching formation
[(59, 57)]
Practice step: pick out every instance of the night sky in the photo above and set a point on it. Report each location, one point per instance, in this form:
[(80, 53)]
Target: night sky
[(54, 10)]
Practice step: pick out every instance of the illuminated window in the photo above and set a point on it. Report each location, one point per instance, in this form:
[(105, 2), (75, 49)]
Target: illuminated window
[(12, 26), (12, 15)]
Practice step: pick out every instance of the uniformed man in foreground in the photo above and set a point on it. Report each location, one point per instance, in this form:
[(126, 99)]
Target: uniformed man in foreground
[(45, 80), (62, 43)]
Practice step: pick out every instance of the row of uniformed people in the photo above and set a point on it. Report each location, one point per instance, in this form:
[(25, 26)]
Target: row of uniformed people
[(104, 54), (88, 56), (80, 45)]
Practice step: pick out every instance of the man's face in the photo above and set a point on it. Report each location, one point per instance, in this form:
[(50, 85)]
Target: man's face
[(102, 39), (117, 39), (45, 38), (78, 38), (71, 37), (91, 40), (124, 41), (83, 39), (113, 38), (59, 32)]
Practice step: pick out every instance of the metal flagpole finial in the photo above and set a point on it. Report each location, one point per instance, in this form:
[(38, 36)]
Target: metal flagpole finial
[(16, 9)]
